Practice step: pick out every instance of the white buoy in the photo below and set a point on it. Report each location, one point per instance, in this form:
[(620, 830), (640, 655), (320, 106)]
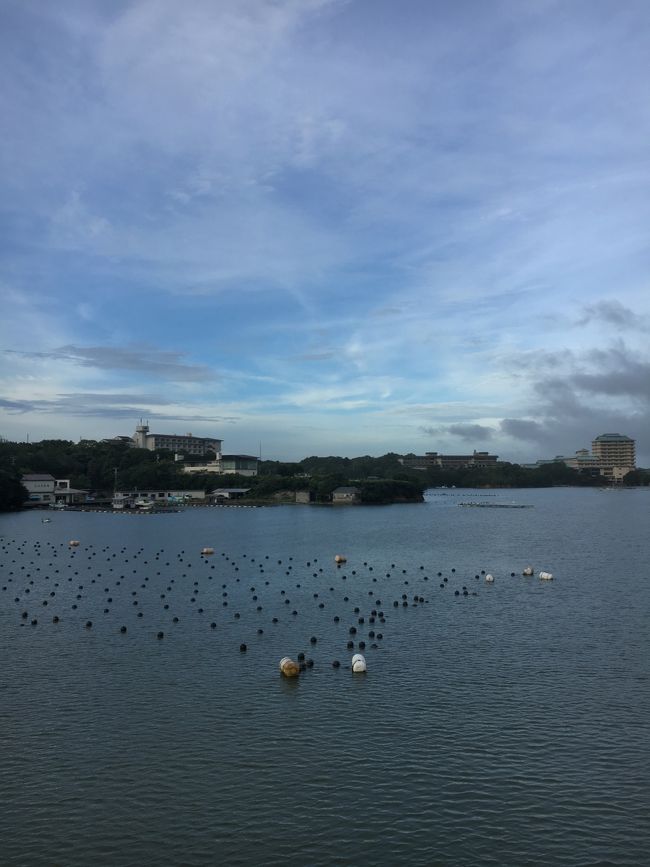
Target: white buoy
[(546, 576), (489, 578), (288, 667), (358, 663), (528, 571), (340, 559), (73, 543), (206, 551)]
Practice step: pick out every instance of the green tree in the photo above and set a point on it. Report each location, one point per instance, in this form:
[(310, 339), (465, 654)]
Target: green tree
[(12, 493)]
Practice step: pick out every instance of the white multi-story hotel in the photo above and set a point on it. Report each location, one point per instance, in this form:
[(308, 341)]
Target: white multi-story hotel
[(616, 455), (175, 442)]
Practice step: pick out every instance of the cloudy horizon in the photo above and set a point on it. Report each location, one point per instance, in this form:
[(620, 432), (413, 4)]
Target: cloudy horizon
[(327, 226)]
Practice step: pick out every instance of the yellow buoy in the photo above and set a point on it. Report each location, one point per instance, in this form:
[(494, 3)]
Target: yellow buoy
[(288, 667)]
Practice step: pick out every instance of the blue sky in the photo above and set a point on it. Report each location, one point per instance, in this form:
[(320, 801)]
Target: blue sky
[(330, 227)]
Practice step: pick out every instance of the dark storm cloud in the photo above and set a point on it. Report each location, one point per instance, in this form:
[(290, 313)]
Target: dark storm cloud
[(524, 429), (602, 390), (147, 360), (469, 432), (619, 372), (613, 313)]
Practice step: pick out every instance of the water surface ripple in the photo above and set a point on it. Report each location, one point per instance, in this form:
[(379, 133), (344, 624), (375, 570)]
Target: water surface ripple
[(508, 727)]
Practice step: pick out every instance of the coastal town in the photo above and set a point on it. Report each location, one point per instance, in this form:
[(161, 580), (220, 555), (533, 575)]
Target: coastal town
[(152, 471)]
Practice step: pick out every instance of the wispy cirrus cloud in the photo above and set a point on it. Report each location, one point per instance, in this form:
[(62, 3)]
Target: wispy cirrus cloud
[(162, 364), (106, 406)]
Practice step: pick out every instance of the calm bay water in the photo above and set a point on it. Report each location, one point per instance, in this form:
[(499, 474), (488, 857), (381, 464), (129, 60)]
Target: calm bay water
[(508, 727)]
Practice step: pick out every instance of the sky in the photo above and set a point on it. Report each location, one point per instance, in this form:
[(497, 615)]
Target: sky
[(319, 227)]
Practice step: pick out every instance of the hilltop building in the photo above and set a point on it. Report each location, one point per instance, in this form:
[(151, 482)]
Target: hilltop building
[(612, 456), (450, 462), (198, 446)]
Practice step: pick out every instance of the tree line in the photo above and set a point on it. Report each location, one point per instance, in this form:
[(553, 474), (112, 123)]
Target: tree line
[(100, 467)]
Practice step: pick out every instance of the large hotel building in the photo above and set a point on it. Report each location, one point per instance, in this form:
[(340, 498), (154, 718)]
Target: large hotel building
[(196, 446), (615, 454)]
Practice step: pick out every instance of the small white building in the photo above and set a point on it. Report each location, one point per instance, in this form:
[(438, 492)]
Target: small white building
[(345, 494), (228, 494), (44, 488), (241, 465)]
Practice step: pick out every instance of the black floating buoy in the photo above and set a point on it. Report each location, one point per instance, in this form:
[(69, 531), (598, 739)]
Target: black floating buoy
[(313, 639), (301, 656), (213, 625), (336, 664), (122, 629), (160, 635)]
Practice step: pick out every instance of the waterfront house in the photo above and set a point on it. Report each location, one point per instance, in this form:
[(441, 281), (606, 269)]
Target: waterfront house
[(346, 494)]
